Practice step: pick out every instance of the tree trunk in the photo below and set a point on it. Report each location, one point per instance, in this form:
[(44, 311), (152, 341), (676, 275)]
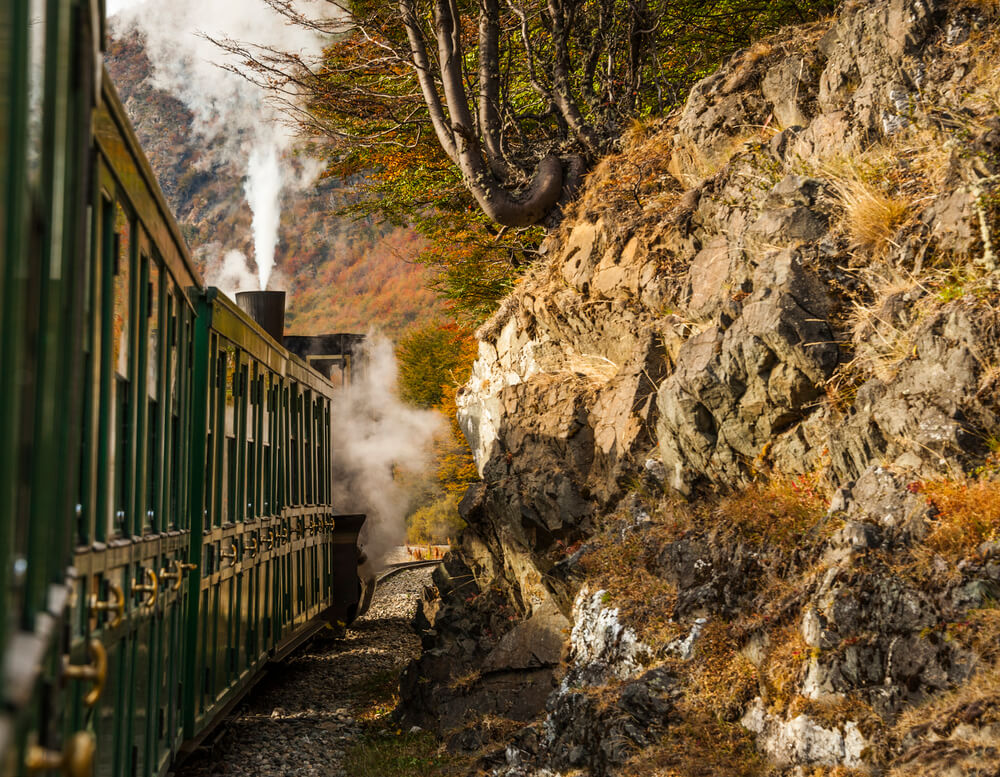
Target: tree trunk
[(460, 134)]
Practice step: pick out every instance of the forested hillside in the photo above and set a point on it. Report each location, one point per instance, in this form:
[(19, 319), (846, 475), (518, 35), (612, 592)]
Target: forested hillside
[(342, 274)]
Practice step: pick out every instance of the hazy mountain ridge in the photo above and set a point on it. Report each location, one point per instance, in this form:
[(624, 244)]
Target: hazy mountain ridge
[(341, 274)]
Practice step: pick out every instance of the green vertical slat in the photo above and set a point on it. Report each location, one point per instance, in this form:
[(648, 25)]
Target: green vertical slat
[(201, 383), (139, 407), (13, 126), (240, 409), (48, 537), (89, 439), (105, 431)]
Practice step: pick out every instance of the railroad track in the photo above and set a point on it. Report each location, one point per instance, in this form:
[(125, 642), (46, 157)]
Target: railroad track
[(402, 566)]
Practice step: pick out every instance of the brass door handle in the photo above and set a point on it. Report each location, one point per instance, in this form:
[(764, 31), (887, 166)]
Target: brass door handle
[(97, 672), (75, 760), (117, 606), (231, 555), (269, 539), (252, 548), (152, 587), (178, 574), (283, 535)]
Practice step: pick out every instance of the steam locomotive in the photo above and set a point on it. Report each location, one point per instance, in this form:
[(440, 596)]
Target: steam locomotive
[(166, 520)]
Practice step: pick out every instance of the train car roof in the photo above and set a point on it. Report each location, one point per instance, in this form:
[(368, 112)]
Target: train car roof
[(233, 323), (145, 171)]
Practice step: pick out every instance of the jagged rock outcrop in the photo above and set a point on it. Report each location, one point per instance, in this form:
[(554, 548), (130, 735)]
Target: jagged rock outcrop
[(796, 280)]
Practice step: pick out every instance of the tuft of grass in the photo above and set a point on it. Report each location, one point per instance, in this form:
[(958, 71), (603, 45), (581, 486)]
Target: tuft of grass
[(872, 217), (721, 679), (783, 668), (398, 754), (381, 690), (691, 164), (968, 514), (465, 682), (617, 562), (700, 745), (973, 705), (779, 513)]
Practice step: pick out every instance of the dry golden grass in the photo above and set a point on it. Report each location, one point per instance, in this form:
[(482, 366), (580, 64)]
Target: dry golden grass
[(721, 680), (974, 704), (783, 667), (883, 329), (985, 75), (629, 180), (619, 566), (691, 165), (832, 712), (985, 6), (780, 513), (979, 633), (968, 514), (871, 216), (465, 682), (700, 746)]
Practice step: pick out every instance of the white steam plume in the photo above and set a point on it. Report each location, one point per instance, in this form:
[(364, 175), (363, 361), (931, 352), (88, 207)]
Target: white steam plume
[(230, 273), (375, 435), (187, 64), (263, 189)]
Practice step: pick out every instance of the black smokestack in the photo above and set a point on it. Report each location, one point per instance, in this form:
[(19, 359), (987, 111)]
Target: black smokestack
[(267, 308)]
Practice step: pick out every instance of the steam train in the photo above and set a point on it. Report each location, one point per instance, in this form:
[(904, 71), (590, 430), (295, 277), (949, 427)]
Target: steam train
[(166, 519)]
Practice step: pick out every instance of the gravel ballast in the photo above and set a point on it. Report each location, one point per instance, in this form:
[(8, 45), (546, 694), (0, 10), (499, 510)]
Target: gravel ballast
[(305, 714)]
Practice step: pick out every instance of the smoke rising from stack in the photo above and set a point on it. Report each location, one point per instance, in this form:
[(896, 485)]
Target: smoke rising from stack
[(375, 434), (231, 274), (186, 64)]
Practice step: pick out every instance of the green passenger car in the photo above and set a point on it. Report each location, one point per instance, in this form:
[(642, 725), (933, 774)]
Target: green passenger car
[(166, 523)]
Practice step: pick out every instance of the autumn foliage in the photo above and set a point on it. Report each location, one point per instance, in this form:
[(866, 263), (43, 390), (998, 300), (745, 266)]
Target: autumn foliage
[(434, 362)]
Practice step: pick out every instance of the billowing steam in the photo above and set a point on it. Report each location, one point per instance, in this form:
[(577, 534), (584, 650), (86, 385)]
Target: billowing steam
[(263, 189), (375, 436), (231, 273), (187, 64)]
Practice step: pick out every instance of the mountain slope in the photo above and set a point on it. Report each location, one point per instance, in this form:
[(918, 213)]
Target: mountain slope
[(341, 274)]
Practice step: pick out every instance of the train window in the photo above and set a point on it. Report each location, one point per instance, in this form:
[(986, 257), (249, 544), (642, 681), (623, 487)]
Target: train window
[(175, 307), (293, 445), (177, 480), (231, 420), (152, 464), (36, 90), (219, 430), (253, 443), (242, 435), (120, 458), (119, 426), (307, 437), (121, 323), (153, 313), (282, 457)]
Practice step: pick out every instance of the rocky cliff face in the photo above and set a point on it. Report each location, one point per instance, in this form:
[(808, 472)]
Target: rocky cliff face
[(737, 432)]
